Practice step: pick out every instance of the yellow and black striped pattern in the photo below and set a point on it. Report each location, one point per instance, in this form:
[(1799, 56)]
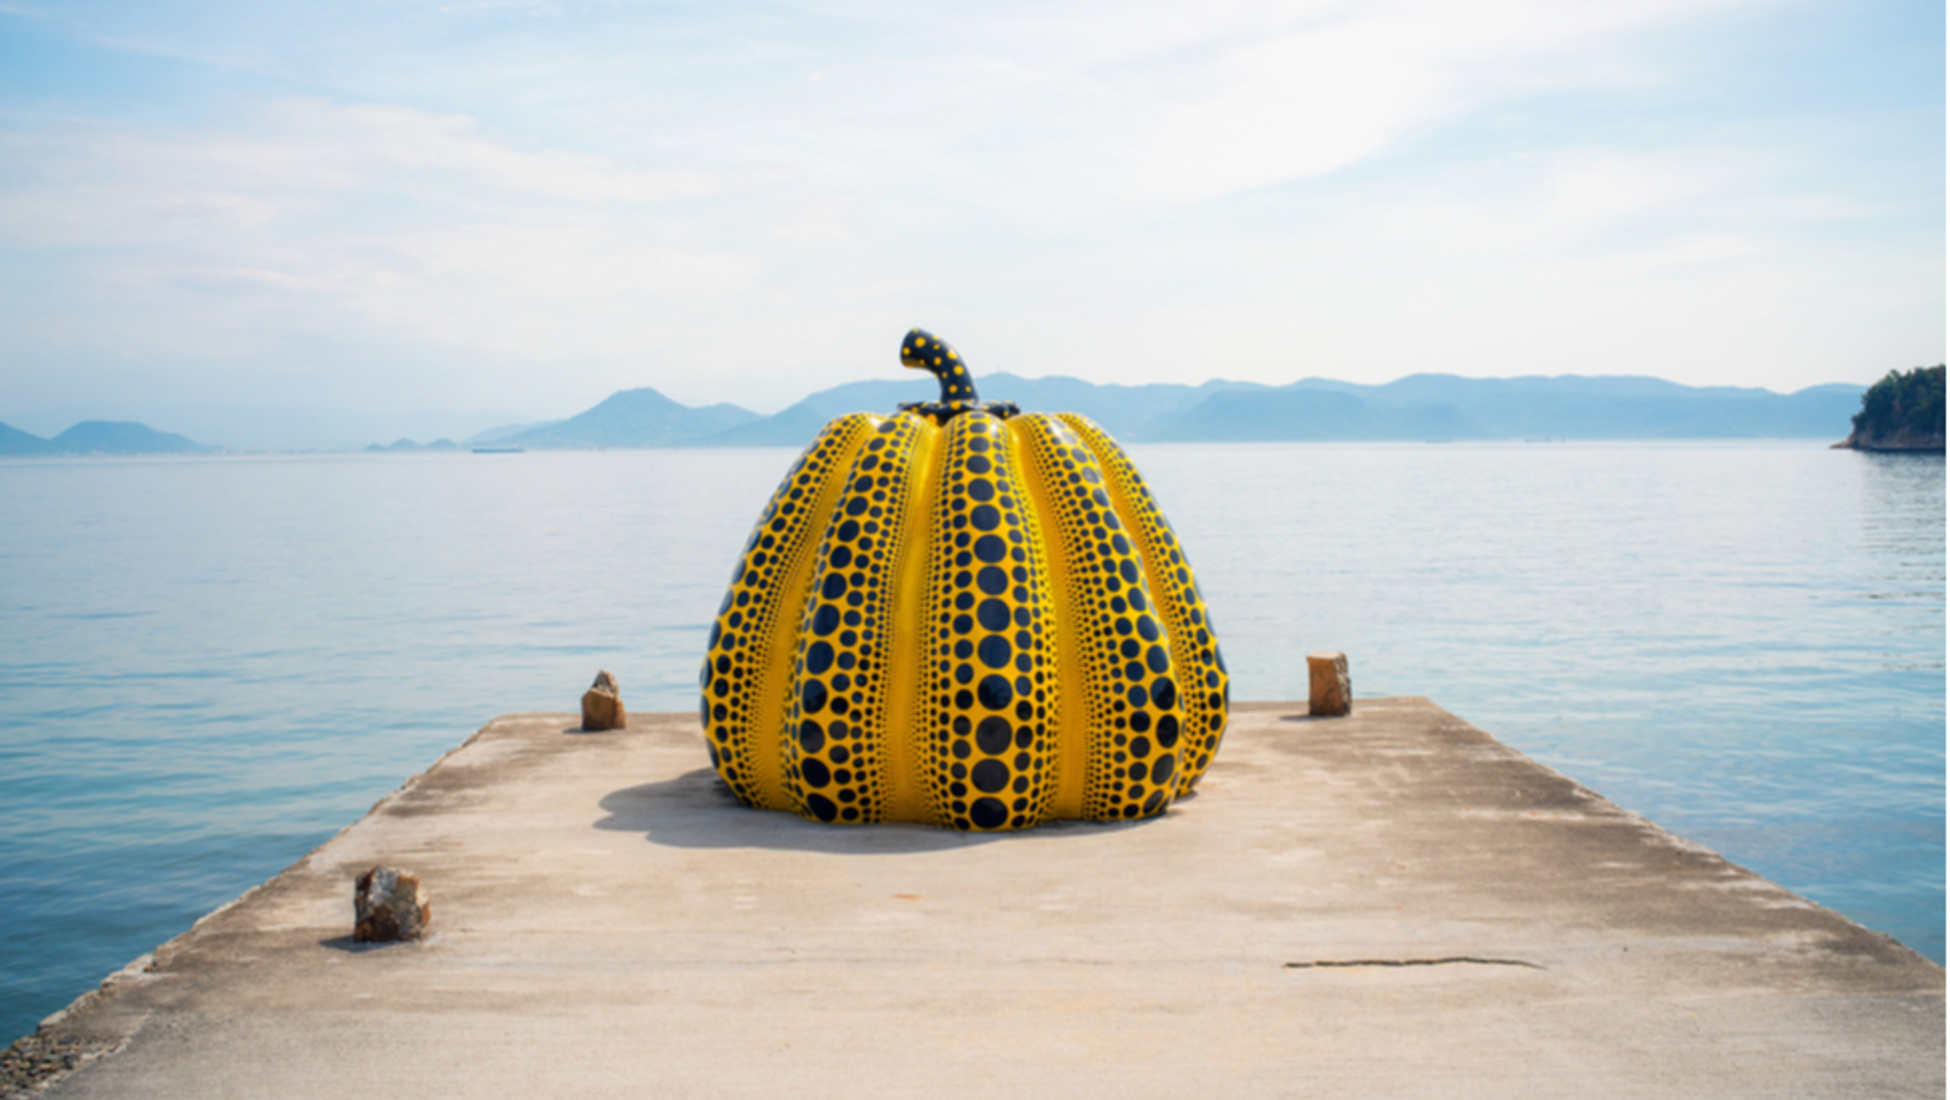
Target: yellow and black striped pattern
[(978, 621)]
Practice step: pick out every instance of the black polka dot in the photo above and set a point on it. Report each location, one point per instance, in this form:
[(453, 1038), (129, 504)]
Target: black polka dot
[(996, 651), (1161, 771), (819, 657), (826, 619), (993, 614), (993, 735), (1165, 694), (988, 813), (1167, 731), (990, 776), (997, 694)]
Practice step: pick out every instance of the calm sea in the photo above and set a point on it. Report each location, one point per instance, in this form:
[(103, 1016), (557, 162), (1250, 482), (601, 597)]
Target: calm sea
[(209, 665)]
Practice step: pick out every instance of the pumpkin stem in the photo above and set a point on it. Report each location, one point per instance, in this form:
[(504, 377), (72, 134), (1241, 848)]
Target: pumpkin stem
[(923, 350)]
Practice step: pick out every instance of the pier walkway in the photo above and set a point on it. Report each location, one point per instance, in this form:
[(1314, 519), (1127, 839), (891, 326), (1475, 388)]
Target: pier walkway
[(1391, 904)]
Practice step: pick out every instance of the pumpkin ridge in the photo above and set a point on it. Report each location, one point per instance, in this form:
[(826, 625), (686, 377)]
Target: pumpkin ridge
[(1069, 718), (905, 711), (835, 735), (1198, 670), (1053, 699), (739, 676), (988, 747), (1087, 755), (769, 727), (1124, 638)]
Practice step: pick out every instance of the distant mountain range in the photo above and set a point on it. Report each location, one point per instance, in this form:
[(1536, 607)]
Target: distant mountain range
[(1443, 406), (633, 418), (1418, 407), (99, 437)]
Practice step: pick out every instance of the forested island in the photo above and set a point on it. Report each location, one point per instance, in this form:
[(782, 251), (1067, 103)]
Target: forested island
[(1903, 412)]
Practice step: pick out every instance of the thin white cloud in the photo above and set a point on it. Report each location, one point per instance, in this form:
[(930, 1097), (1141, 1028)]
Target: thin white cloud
[(93, 184), (748, 199), (1080, 108)]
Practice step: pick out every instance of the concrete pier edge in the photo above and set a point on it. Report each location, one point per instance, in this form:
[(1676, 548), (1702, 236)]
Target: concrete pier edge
[(1430, 884)]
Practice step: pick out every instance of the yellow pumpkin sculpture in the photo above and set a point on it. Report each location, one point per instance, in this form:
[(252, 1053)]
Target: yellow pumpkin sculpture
[(962, 615)]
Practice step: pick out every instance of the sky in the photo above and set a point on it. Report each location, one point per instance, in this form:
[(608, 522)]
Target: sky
[(513, 210)]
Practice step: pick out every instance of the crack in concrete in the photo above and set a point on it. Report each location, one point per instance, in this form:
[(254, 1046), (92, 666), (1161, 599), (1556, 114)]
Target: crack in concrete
[(1447, 961)]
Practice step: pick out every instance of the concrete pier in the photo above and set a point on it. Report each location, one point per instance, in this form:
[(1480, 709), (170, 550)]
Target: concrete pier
[(1388, 904)]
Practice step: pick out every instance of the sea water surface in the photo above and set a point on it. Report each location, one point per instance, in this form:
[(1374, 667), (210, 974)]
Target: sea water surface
[(209, 665)]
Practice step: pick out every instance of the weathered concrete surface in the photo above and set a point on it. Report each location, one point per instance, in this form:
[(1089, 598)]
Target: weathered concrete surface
[(1387, 904)]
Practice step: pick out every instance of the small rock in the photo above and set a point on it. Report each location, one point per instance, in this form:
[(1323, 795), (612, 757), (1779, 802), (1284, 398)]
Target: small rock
[(1330, 690), (602, 705), (388, 905)]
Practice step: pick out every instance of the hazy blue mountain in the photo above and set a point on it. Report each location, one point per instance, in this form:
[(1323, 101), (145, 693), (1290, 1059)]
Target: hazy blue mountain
[(501, 432), (795, 425), (1118, 409), (633, 418), (268, 427), (398, 445), (1121, 410), (13, 441), (1325, 415), (123, 437), (1442, 406), (1417, 407)]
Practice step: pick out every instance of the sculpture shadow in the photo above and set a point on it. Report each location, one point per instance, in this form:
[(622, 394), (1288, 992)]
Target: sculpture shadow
[(696, 810), (352, 946)]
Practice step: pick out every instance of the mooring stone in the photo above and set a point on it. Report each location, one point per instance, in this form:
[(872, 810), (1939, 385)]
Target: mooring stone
[(1330, 691), (388, 905), (602, 705)]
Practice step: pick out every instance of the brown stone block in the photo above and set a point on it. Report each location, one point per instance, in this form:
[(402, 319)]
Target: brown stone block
[(388, 905), (602, 705), (1330, 690)]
